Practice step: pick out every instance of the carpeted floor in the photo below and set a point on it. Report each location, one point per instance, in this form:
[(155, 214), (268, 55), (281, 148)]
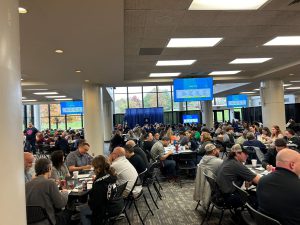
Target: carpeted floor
[(177, 207)]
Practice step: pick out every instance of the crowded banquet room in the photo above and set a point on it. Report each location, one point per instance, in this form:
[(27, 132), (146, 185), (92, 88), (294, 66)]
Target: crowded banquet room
[(144, 112)]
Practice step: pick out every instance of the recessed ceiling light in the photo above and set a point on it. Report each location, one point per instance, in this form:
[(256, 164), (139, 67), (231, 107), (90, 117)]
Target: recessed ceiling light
[(249, 60), (293, 88), (59, 51), (295, 81), (284, 40), (193, 42), (175, 62), (164, 74), (63, 99), (45, 93), (56, 96), (291, 74), (286, 85), (78, 71), (248, 92), (36, 89), (86, 81), (228, 72), (227, 5), (22, 10), (23, 97), (257, 89), (29, 100)]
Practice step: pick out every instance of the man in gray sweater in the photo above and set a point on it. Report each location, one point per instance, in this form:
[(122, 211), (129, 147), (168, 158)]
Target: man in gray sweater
[(44, 192)]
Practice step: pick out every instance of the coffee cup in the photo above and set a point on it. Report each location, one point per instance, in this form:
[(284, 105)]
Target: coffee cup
[(254, 163), (75, 174)]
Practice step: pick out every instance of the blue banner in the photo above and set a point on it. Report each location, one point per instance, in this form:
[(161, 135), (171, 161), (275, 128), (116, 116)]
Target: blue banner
[(237, 101), (71, 107)]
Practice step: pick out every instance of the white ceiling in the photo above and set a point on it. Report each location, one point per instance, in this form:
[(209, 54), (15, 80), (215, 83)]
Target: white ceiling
[(104, 38)]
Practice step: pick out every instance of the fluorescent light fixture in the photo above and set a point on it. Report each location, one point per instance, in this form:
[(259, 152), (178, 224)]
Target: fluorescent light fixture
[(22, 10), (286, 85), (164, 74), (59, 51), (227, 5), (23, 97), (193, 42), (22, 79), (77, 71), (29, 100), (36, 89), (295, 81), (249, 60), (63, 99), (46, 93), (257, 89), (175, 62), (291, 74), (86, 81), (228, 72), (248, 92), (293, 88), (56, 96), (284, 40)]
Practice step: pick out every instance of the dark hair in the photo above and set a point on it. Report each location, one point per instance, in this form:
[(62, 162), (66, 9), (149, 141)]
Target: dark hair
[(128, 148), (280, 142), (57, 158), (291, 131), (42, 166), (267, 130), (82, 143), (101, 166), (250, 136), (204, 129), (165, 138)]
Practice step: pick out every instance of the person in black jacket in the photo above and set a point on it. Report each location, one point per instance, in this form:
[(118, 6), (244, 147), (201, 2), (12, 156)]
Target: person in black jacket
[(269, 161), (99, 207)]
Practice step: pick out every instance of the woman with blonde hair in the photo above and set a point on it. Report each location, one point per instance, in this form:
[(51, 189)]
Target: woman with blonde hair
[(276, 133)]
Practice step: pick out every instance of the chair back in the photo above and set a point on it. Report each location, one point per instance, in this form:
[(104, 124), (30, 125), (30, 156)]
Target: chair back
[(141, 177), (243, 194), (216, 194), (212, 182), (260, 218), (187, 156), (36, 214), (120, 189)]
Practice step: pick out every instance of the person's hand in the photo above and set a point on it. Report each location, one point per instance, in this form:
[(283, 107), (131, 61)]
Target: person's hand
[(170, 152), (87, 167), (269, 168), (248, 184)]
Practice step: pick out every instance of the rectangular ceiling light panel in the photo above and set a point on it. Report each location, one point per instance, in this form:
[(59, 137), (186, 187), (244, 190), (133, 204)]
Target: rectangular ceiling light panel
[(230, 72), (193, 42), (227, 4), (45, 93), (164, 74), (175, 62), (249, 60), (284, 40)]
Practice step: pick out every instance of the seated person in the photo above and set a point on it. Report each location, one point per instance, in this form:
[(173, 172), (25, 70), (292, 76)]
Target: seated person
[(278, 193), (228, 137), (292, 138), (79, 160), (44, 192), (100, 207), (242, 138), (183, 139), (205, 139), (124, 170), (233, 169), (252, 142), (269, 161), (59, 169), (134, 159), (158, 151), (28, 160), (147, 145), (137, 150)]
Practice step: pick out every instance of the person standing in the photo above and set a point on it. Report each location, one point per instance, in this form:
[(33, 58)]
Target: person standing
[(30, 133)]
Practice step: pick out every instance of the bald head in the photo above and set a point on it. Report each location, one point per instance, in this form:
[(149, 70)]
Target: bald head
[(118, 151), (131, 143), (28, 160), (289, 159)]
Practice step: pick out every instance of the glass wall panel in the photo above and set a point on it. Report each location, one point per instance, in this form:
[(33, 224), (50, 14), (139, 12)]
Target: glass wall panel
[(220, 101), (135, 100), (150, 100), (193, 106), (149, 89), (120, 90), (58, 122), (74, 122), (135, 89), (44, 115), (120, 103), (164, 100), (164, 88)]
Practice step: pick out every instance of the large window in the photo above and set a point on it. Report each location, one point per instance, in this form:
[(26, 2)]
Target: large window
[(120, 103), (74, 121), (44, 116)]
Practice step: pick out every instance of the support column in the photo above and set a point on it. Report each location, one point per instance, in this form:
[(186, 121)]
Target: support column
[(207, 114), (272, 103), (37, 117), (93, 117), (108, 118), (12, 192)]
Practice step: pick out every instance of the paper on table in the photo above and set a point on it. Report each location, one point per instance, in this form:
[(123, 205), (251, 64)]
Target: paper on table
[(260, 168), (82, 176)]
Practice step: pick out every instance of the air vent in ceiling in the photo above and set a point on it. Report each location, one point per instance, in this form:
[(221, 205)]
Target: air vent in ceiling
[(151, 51)]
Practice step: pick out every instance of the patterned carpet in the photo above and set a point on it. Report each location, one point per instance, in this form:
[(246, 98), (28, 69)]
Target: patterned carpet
[(176, 207)]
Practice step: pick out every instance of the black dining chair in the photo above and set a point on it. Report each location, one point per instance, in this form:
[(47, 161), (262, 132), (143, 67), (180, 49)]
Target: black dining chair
[(187, 162), (36, 214), (260, 218), (244, 195)]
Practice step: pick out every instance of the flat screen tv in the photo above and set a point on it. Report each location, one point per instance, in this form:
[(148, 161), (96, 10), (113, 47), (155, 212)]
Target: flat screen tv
[(190, 118), (71, 107), (237, 101), (193, 89)]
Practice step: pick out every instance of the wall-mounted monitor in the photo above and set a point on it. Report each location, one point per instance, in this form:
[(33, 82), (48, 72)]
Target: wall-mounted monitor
[(193, 89), (190, 118), (237, 101), (71, 107)]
